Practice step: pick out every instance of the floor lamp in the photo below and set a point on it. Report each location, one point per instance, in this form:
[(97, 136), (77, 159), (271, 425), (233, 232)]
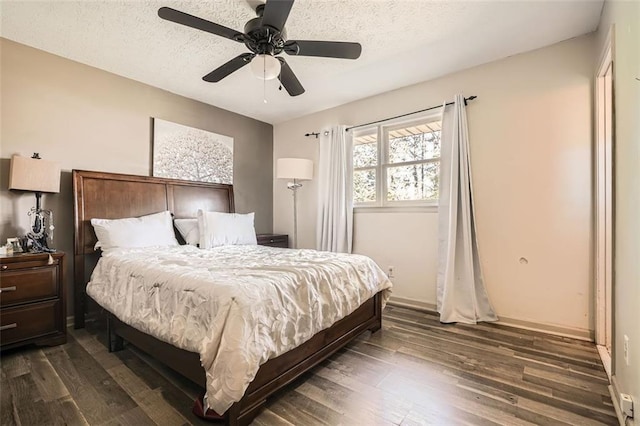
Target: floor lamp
[(297, 169)]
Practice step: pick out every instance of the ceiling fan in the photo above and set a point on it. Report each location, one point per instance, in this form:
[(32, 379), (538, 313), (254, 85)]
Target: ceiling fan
[(266, 37)]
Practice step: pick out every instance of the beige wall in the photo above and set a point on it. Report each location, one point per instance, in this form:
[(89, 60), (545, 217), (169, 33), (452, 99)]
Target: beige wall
[(90, 119), (625, 16), (530, 131)]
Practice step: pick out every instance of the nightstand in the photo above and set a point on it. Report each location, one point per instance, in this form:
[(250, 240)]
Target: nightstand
[(273, 240), (32, 300)]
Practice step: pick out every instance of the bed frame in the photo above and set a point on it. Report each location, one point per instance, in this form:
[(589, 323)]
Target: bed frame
[(113, 196)]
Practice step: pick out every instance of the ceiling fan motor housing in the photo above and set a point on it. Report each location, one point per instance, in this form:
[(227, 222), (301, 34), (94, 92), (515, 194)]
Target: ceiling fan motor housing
[(263, 39)]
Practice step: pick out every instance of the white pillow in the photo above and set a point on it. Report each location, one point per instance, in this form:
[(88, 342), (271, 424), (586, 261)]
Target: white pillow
[(189, 230), (219, 229), (144, 231)]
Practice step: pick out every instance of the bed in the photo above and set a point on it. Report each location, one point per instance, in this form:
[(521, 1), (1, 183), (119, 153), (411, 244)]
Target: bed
[(113, 196)]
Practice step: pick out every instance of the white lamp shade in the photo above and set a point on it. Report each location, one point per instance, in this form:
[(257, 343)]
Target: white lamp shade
[(265, 67), (31, 174), (294, 168)]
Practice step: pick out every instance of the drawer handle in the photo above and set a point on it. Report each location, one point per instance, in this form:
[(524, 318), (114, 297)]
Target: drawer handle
[(5, 267), (272, 240), (12, 288), (9, 326)]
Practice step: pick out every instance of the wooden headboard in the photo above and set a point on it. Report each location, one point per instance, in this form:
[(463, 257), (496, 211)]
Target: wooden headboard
[(115, 196)]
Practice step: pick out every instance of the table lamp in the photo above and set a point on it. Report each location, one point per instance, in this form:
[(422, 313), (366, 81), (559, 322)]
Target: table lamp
[(38, 176)]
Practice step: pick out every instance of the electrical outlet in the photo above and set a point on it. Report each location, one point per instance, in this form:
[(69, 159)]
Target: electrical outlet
[(626, 349), (626, 404), (390, 273)]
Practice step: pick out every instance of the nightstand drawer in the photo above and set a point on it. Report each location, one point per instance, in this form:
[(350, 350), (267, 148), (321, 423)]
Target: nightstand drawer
[(29, 321), (273, 240), (19, 286)]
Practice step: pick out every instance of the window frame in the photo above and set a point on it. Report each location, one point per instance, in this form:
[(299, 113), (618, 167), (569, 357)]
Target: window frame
[(382, 141)]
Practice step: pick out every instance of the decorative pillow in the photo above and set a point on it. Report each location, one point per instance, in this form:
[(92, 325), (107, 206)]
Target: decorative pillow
[(189, 230), (219, 229), (144, 231)]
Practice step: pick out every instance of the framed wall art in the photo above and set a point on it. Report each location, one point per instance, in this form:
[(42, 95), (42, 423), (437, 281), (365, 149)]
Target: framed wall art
[(183, 152)]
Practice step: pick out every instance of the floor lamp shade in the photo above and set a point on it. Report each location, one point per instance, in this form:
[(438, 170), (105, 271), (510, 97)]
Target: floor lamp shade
[(294, 168), (31, 174)]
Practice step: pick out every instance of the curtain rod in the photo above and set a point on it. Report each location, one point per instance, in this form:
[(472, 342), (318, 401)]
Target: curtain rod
[(316, 134), (470, 98)]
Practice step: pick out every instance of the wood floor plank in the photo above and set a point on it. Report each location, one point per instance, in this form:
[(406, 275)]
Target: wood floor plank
[(158, 409), (135, 416), (129, 381), (568, 383), (354, 406), (286, 409), (88, 399), (8, 406), (69, 412), (98, 351), (30, 409), (418, 418), (45, 377), (385, 404), (269, 418), (481, 336), (149, 400), (565, 416), (16, 364), (87, 366)]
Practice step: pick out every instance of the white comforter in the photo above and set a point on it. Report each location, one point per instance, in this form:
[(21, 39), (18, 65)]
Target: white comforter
[(238, 306)]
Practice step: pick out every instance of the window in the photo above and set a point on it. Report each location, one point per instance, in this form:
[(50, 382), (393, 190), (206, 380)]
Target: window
[(397, 165)]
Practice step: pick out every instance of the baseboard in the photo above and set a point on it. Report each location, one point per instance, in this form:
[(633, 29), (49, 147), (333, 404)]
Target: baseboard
[(614, 390), (574, 333), (605, 356), (557, 330), (413, 304)]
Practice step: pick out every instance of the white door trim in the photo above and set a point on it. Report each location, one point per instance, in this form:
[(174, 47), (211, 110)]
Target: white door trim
[(603, 204)]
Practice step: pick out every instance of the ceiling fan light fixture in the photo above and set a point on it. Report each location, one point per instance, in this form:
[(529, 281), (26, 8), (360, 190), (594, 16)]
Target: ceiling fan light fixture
[(265, 67)]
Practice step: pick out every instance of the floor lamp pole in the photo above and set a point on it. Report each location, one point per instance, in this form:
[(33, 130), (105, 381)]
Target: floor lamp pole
[(294, 187)]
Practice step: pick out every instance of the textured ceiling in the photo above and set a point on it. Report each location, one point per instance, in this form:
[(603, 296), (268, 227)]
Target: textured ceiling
[(403, 42)]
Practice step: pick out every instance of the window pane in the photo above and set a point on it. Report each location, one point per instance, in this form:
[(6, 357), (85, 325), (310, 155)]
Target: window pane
[(418, 182), (414, 143), (365, 155), (365, 150), (364, 186)]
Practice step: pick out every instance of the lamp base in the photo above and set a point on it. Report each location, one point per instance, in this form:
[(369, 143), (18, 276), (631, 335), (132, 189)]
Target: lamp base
[(41, 229), (38, 244)]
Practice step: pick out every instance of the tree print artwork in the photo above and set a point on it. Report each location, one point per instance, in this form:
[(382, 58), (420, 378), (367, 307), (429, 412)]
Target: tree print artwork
[(182, 152)]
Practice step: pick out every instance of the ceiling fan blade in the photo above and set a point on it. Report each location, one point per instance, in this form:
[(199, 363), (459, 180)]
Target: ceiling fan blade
[(326, 49), (229, 67), (276, 13), (201, 24), (289, 79)]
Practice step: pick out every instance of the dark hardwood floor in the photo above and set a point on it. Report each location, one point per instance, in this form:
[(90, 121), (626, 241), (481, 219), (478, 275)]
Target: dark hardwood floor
[(414, 371)]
